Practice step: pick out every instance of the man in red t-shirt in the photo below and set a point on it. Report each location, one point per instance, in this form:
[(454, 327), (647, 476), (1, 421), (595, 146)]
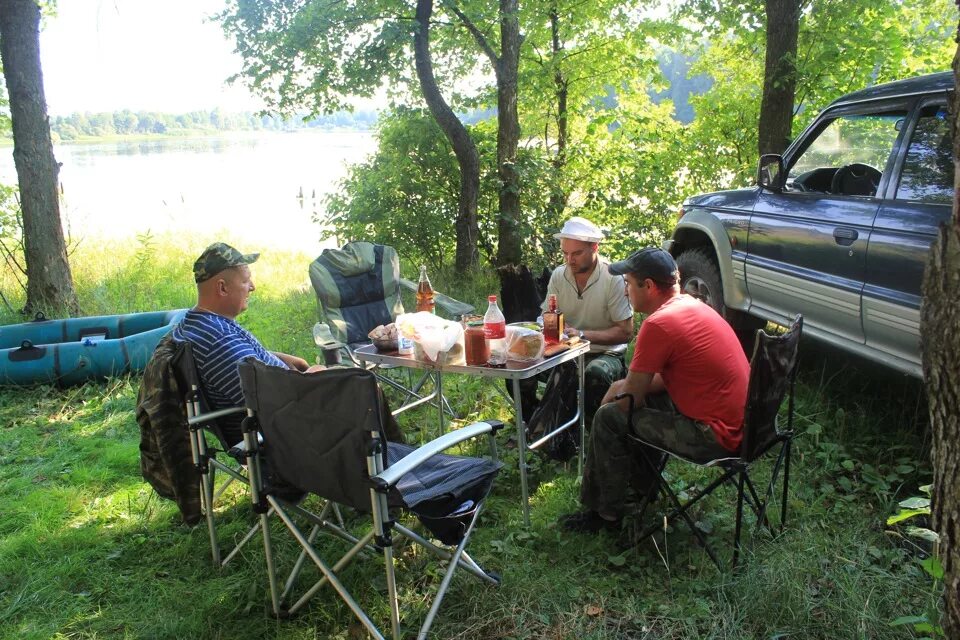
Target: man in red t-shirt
[(688, 379)]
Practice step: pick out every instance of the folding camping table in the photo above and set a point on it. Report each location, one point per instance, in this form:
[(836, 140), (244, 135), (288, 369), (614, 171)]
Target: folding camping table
[(515, 371)]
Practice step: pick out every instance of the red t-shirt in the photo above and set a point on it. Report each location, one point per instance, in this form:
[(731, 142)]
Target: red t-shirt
[(701, 362)]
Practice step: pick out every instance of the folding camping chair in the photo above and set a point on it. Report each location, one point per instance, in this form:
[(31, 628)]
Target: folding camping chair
[(773, 369), (358, 288), (324, 432), (204, 423)]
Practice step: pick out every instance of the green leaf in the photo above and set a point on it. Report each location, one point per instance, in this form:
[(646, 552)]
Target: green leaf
[(617, 561), (906, 514), (932, 566), (923, 533), (915, 503), (848, 464), (902, 620)]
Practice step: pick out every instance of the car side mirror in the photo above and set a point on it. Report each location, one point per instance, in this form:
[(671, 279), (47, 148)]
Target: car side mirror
[(770, 172)]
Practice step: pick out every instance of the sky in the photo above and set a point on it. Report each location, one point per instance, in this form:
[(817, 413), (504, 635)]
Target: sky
[(109, 55)]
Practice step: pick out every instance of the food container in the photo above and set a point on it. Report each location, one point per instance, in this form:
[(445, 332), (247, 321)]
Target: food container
[(386, 344), (476, 349), (385, 338)]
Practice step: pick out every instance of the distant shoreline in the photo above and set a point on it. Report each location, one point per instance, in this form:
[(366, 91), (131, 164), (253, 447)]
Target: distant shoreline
[(185, 134)]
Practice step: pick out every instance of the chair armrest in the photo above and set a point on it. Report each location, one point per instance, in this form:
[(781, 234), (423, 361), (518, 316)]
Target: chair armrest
[(392, 474), (449, 305), (213, 415)]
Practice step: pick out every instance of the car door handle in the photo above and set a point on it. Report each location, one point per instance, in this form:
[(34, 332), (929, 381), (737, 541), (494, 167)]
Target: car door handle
[(845, 236)]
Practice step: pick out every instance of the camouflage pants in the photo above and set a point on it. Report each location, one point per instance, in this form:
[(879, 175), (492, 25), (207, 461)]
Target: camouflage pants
[(600, 371), (614, 462)]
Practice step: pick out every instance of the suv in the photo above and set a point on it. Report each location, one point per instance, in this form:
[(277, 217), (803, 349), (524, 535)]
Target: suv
[(838, 228)]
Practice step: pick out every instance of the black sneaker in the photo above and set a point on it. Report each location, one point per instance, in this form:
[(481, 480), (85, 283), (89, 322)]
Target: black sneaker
[(588, 522)]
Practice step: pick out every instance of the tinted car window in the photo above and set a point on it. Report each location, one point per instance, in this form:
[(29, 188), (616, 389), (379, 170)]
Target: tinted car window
[(928, 167), (860, 142)]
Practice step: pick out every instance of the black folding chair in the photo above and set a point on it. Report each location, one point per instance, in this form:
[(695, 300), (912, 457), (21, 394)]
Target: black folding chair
[(773, 369), (324, 432), (217, 446)]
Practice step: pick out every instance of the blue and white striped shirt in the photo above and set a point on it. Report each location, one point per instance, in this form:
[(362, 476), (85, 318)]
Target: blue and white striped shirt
[(219, 346)]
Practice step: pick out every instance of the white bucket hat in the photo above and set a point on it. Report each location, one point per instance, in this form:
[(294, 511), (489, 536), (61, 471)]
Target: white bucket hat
[(578, 228)]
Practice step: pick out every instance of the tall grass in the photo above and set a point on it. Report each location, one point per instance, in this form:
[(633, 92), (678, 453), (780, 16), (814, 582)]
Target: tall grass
[(87, 550)]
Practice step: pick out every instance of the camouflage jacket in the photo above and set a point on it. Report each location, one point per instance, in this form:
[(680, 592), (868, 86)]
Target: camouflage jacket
[(166, 460)]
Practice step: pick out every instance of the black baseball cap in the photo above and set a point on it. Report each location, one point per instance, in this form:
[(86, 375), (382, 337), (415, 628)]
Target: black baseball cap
[(651, 262)]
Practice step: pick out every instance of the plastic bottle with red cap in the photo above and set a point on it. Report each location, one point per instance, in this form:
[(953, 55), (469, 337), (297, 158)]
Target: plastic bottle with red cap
[(495, 331)]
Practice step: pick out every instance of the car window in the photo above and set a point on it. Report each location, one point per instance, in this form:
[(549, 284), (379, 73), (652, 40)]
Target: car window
[(848, 156), (928, 166)]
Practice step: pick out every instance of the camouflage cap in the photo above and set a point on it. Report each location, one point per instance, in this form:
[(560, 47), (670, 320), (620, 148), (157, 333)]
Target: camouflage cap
[(216, 258)]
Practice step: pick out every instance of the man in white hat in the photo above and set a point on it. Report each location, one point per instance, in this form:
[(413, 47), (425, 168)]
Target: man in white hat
[(593, 305)]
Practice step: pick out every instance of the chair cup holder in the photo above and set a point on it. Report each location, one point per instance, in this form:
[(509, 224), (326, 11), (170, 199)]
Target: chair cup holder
[(331, 356)]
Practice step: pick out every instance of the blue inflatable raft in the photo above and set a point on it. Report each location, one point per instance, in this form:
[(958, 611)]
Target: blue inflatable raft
[(72, 351)]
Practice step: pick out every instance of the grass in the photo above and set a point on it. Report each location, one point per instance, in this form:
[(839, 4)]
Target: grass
[(87, 550)]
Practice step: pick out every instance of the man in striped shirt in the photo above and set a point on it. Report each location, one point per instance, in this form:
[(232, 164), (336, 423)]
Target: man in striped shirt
[(224, 285)]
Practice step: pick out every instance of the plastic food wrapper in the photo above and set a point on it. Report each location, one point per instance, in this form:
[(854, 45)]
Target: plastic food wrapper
[(524, 344), (435, 340)]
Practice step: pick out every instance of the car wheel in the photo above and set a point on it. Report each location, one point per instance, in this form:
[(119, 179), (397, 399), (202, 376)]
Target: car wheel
[(700, 278)]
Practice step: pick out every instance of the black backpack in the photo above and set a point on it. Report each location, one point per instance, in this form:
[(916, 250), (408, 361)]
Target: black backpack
[(558, 406)]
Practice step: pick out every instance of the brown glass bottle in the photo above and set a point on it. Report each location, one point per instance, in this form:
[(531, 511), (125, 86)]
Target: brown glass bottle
[(425, 300), (552, 322)]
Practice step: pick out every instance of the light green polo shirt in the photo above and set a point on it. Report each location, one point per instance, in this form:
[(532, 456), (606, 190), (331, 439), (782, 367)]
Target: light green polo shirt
[(600, 305)]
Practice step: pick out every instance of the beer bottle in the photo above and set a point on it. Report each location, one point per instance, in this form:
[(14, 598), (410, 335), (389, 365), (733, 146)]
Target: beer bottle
[(425, 300)]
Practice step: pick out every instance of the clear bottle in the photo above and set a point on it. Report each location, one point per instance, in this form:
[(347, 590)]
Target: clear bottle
[(552, 322), (495, 331), (425, 301)]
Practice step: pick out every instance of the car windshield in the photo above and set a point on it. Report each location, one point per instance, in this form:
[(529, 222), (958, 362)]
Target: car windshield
[(864, 139)]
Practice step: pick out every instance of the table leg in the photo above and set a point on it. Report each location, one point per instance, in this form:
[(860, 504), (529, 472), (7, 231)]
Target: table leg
[(439, 383), (521, 451), (581, 402)]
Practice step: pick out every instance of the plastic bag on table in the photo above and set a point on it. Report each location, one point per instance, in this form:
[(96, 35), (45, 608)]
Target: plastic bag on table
[(435, 340), (524, 344)]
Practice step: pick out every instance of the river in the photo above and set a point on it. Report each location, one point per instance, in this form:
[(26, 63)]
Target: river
[(246, 184)]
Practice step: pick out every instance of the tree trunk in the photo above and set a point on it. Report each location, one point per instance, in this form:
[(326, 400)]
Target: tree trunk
[(49, 283), (779, 75), (940, 331), (467, 227), (558, 199), (940, 323), (509, 246)]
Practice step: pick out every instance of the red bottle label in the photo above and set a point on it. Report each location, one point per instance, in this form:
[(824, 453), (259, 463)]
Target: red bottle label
[(494, 330)]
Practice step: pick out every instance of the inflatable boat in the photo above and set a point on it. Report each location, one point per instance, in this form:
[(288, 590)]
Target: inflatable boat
[(74, 350)]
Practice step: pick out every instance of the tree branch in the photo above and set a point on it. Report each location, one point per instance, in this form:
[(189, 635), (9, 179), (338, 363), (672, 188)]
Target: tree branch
[(481, 39)]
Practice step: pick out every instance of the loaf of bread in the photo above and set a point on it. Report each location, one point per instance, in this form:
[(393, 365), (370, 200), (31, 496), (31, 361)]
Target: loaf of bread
[(524, 344)]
